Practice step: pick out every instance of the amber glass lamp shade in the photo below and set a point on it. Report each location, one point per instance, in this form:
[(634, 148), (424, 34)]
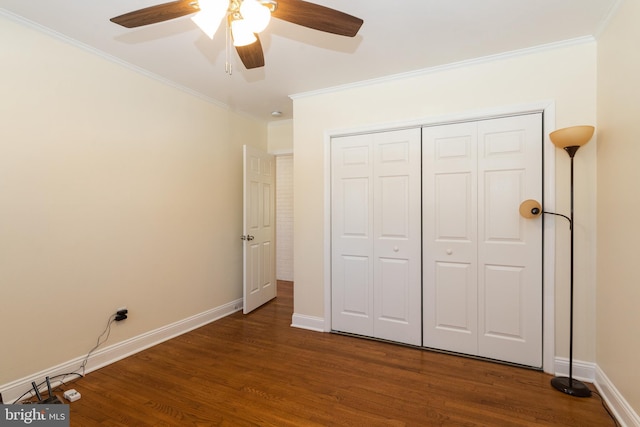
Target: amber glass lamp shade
[(575, 136)]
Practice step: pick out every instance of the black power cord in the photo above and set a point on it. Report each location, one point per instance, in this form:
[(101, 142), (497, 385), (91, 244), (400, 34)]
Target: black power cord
[(119, 316), (31, 392), (606, 408), (107, 330)]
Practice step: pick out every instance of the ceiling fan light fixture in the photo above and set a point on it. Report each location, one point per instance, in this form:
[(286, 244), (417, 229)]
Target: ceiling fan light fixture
[(210, 15), (242, 33), (256, 14), (237, 32)]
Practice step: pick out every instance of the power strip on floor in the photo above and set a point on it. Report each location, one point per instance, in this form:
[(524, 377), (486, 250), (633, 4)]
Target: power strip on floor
[(72, 395)]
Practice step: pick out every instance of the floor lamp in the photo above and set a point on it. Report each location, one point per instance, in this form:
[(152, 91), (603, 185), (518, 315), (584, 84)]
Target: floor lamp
[(569, 139)]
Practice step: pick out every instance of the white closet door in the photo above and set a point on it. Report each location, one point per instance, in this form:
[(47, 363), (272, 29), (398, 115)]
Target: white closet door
[(376, 235), (482, 261), (449, 162), (397, 234), (352, 264), (509, 246)]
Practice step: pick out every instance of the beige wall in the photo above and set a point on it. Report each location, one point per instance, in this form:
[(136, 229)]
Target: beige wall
[(618, 280), (280, 136), (565, 75), (115, 190)]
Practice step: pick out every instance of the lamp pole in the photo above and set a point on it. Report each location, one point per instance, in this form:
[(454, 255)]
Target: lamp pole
[(564, 384), (569, 139)]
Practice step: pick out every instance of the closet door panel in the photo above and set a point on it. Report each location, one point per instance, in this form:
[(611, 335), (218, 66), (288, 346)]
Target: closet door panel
[(453, 283), (503, 294), (397, 247), (449, 237), (395, 288), (376, 235), (352, 265), (482, 283), (509, 246)]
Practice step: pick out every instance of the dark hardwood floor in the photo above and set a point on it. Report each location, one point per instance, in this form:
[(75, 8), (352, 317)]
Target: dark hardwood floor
[(256, 370)]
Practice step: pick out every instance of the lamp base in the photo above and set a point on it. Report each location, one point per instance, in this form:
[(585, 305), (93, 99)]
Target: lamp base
[(572, 387)]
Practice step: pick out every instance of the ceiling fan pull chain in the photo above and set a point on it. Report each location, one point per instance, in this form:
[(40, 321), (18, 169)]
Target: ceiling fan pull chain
[(227, 65)]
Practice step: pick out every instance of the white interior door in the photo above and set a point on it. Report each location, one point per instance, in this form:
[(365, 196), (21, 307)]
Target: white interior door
[(376, 235), (259, 278), (483, 262)]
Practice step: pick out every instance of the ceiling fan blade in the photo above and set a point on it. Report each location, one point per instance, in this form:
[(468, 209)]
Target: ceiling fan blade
[(318, 17), (158, 13), (251, 55)]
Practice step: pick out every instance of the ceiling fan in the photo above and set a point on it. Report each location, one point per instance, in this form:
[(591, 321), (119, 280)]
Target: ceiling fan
[(245, 19)]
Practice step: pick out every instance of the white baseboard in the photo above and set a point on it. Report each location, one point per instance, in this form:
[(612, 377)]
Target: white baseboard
[(591, 373), (100, 358), (583, 371), (311, 323), (623, 412)]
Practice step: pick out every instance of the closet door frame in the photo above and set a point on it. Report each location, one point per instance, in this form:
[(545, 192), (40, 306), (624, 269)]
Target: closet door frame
[(548, 110)]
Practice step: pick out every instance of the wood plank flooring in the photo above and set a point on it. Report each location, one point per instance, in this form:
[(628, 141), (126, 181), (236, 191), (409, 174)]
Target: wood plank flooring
[(256, 370)]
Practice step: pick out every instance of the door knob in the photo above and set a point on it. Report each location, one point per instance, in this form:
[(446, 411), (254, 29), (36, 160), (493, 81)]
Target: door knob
[(530, 208), (248, 237)]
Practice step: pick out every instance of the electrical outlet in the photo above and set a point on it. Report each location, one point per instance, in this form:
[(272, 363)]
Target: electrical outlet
[(121, 314)]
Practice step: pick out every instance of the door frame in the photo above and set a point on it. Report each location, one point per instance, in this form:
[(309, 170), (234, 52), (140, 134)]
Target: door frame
[(548, 110)]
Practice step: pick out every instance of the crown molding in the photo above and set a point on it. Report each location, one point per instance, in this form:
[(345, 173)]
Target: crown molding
[(68, 40), (613, 10), (447, 67)]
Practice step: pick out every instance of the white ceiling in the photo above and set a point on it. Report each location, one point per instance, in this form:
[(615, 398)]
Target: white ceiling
[(397, 37)]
